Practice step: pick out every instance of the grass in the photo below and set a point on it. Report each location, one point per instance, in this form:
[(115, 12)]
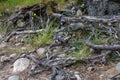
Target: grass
[(4, 28), (81, 51), (11, 4), (97, 41), (45, 37)]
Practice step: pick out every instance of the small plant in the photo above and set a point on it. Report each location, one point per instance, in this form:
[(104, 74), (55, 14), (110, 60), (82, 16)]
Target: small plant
[(4, 28), (82, 51), (97, 40), (44, 37)]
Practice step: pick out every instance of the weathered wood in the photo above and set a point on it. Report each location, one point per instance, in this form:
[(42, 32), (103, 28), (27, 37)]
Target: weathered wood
[(104, 46)]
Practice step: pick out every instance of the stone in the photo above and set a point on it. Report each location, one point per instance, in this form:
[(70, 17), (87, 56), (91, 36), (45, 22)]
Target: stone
[(77, 75), (20, 23), (14, 55), (76, 26), (1, 66), (113, 8), (118, 67), (92, 51), (4, 59), (3, 45), (79, 13), (60, 77), (40, 51), (21, 64), (90, 69), (14, 77)]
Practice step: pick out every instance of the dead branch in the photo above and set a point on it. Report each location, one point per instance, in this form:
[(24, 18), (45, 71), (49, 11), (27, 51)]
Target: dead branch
[(104, 46), (21, 32)]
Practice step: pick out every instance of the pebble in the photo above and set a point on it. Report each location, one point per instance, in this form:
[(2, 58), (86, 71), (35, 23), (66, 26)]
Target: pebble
[(40, 51), (1, 66), (90, 69), (4, 59), (77, 75), (79, 13), (76, 26), (2, 45), (60, 77), (21, 64), (14, 55), (14, 77), (118, 67)]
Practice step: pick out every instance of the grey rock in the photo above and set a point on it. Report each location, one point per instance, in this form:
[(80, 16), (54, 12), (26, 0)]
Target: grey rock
[(4, 59), (72, 27), (14, 55), (60, 77), (118, 67), (14, 77), (1, 66), (20, 23), (3, 45), (94, 7), (79, 13), (21, 64), (103, 7), (76, 26), (113, 8), (77, 75), (92, 50), (40, 51)]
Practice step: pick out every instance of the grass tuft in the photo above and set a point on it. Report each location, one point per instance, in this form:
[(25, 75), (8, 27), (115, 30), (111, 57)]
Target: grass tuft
[(82, 50)]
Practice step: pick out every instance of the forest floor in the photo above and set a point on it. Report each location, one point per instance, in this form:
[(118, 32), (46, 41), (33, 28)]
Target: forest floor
[(39, 42)]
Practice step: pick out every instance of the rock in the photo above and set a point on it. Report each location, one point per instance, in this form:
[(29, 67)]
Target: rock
[(77, 75), (21, 64), (76, 26), (3, 45), (92, 51), (20, 23), (14, 55), (90, 69), (79, 13), (40, 51), (4, 59), (60, 77), (14, 77), (1, 66), (7, 12), (94, 7), (118, 67), (113, 8)]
